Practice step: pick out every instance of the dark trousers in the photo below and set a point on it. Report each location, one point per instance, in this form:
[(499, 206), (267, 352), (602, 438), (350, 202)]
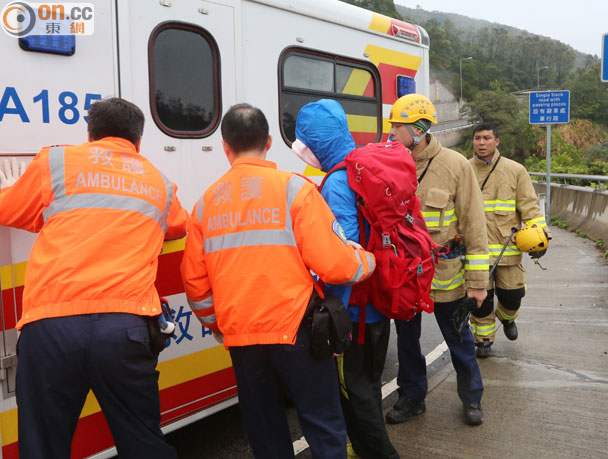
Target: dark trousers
[(60, 359), (361, 369), (312, 385), (412, 364)]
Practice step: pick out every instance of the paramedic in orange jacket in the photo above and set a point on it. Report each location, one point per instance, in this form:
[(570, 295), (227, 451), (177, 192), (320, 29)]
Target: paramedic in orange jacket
[(256, 234), (102, 212)]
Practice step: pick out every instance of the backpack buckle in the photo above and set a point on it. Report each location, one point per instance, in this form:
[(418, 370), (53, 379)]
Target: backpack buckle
[(409, 218), (386, 240), (419, 270)]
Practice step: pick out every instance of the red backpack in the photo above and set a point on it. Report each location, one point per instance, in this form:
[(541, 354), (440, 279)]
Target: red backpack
[(383, 177)]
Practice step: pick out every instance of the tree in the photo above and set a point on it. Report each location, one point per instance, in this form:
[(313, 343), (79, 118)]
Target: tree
[(386, 7), (517, 138), (588, 95)]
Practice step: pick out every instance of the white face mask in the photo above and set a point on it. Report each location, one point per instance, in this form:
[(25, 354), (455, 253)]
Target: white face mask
[(305, 154)]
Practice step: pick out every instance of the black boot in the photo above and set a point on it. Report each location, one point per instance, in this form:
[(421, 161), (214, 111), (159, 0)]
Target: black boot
[(404, 410), (483, 350), (510, 330), (473, 415)]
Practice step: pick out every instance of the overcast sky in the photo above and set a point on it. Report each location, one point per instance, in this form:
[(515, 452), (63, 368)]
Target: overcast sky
[(580, 23)]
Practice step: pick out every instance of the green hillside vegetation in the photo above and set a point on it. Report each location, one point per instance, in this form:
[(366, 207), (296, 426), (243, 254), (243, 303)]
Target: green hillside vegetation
[(507, 61)]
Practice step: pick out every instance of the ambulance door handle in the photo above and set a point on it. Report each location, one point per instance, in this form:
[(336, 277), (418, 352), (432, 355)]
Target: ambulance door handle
[(6, 362)]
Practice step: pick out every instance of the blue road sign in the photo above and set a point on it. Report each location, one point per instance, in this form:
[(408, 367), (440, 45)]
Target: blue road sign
[(605, 58), (549, 107)]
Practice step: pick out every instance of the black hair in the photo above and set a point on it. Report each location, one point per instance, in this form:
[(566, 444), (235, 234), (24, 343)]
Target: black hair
[(115, 117), (245, 127), (486, 127)]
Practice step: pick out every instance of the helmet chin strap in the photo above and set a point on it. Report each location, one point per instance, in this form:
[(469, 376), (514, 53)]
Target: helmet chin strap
[(417, 139)]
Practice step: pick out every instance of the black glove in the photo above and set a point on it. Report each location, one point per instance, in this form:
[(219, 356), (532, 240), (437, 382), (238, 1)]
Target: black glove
[(460, 317), (537, 255)]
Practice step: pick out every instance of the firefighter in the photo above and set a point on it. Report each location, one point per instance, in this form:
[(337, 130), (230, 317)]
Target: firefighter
[(509, 201), (452, 207), (256, 235), (102, 212)]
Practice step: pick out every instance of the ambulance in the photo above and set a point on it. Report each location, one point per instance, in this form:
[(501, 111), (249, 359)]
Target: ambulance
[(184, 63)]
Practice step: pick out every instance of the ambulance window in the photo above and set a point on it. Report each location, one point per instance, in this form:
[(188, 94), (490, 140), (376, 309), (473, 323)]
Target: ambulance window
[(184, 80), (302, 72), (307, 76)]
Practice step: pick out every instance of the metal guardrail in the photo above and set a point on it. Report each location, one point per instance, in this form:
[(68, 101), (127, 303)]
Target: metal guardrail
[(438, 129), (592, 178)]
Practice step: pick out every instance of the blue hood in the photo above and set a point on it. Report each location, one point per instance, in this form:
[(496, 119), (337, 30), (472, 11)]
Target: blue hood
[(323, 128)]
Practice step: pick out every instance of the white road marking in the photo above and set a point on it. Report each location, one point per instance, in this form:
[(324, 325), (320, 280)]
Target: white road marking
[(390, 387)]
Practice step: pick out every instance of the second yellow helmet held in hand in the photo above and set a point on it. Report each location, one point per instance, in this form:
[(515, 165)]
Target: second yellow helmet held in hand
[(532, 238)]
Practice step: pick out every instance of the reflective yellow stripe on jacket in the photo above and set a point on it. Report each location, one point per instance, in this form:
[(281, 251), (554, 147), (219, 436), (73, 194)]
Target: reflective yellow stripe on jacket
[(432, 218), (477, 262), (509, 251), (494, 205), (450, 284), (540, 221)]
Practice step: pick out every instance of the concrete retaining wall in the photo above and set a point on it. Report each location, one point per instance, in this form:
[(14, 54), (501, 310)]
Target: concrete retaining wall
[(450, 137), (583, 208), (444, 101)]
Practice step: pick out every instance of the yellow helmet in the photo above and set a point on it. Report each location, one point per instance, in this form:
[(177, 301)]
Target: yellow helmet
[(532, 238), (411, 108)]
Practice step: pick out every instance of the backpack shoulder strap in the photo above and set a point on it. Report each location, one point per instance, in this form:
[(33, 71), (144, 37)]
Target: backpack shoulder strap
[(341, 165)]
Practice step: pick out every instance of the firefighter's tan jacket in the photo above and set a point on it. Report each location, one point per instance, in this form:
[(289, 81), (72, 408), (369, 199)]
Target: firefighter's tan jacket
[(452, 204), (509, 201)]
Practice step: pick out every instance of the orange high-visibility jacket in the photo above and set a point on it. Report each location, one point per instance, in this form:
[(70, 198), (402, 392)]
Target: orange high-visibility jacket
[(102, 212), (255, 236)]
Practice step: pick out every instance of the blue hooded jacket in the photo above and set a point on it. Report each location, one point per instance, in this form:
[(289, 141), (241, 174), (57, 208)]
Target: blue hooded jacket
[(322, 127)]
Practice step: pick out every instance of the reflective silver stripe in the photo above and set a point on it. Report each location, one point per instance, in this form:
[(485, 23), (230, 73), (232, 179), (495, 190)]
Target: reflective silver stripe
[(62, 203), (199, 209), (360, 272), (451, 284), (250, 238), (491, 206), (294, 185), (106, 201), (371, 261), (210, 319), (510, 250), (57, 167), (470, 261), (261, 237), (540, 221), (201, 305), (169, 199), (485, 330)]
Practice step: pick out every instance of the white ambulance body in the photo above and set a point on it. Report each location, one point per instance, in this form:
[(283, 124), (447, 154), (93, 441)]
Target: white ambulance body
[(184, 63)]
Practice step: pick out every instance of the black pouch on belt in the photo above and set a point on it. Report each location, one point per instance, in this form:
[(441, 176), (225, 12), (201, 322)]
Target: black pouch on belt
[(158, 340), (331, 327)]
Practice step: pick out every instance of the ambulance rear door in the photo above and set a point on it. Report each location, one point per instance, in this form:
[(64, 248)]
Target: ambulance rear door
[(177, 63)]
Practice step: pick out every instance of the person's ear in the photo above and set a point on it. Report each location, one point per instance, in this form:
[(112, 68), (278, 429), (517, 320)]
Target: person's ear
[(228, 151), (137, 145), (269, 143)]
